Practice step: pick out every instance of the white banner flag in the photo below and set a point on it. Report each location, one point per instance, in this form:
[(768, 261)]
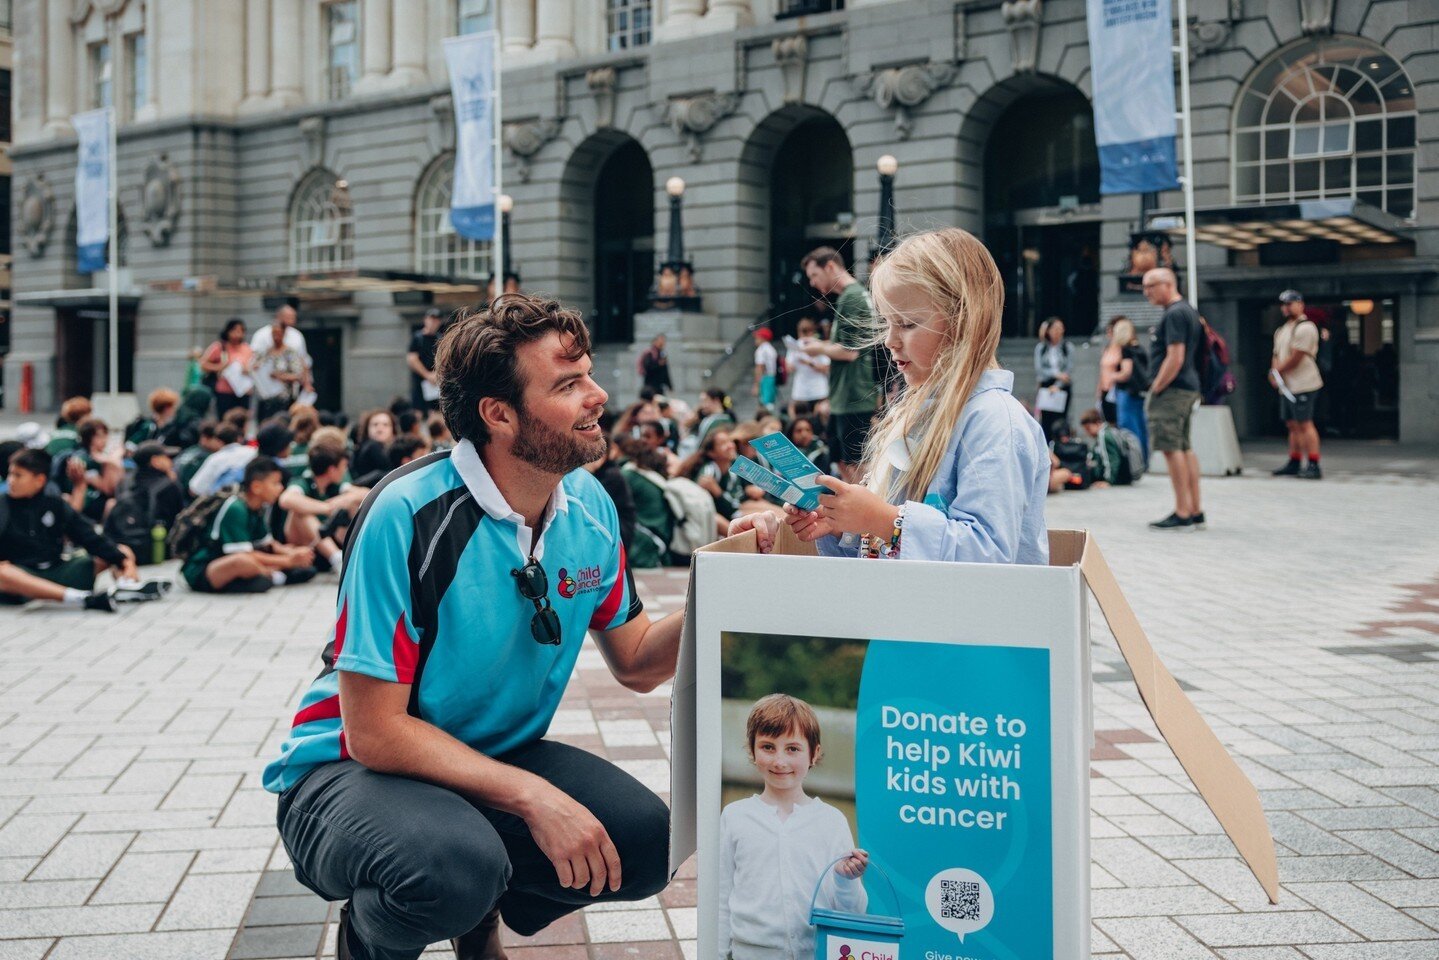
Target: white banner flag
[(92, 188), (1132, 73), (474, 88)]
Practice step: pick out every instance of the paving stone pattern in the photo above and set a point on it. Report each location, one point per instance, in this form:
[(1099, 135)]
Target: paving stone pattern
[(1304, 623)]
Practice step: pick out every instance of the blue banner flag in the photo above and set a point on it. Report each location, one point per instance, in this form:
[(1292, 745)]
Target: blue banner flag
[(474, 88), (92, 188), (1131, 57)]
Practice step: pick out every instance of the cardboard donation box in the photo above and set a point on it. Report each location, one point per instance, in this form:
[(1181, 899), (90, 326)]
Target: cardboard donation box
[(948, 778)]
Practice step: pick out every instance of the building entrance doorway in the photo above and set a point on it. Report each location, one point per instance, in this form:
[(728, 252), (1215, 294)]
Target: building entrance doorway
[(624, 236), (1042, 214), (83, 351), (1358, 358), (326, 342)]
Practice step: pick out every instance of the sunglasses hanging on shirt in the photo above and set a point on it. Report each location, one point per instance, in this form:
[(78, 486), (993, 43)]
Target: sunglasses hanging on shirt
[(534, 586)]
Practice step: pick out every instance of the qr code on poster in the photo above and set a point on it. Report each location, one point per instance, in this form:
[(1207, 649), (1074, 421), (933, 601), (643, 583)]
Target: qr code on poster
[(958, 900)]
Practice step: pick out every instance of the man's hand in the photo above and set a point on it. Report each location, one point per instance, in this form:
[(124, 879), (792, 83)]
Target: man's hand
[(576, 843), (765, 524)]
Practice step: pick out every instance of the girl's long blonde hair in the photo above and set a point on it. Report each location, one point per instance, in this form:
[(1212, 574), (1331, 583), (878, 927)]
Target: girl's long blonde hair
[(952, 270), (1123, 332)]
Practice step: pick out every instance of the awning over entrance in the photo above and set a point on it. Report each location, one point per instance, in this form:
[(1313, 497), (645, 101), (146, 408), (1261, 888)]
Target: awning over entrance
[(84, 298), (1347, 222), (327, 285)]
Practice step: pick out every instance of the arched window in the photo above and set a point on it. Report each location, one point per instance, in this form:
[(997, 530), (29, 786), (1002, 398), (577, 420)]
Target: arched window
[(439, 250), (1327, 118), (322, 225)]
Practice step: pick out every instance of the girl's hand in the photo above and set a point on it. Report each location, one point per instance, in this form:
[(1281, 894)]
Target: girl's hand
[(853, 866), (765, 524), (808, 525), (851, 508)]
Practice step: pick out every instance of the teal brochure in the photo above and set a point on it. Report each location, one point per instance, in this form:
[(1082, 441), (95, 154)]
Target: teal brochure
[(952, 784), (774, 485)]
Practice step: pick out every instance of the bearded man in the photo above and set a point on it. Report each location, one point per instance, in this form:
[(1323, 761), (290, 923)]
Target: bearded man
[(416, 782)]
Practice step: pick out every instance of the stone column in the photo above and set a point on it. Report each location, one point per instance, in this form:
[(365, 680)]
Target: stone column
[(682, 18), (374, 46), (726, 15), (60, 69), (409, 35), (517, 25), (555, 29), (286, 56), (257, 56)]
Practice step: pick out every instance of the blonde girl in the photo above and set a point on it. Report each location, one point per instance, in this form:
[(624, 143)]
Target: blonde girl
[(956, 469)]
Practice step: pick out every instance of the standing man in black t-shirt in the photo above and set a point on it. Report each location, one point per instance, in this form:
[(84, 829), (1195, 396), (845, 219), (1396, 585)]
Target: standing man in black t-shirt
[(1174, 351), (424, 388)]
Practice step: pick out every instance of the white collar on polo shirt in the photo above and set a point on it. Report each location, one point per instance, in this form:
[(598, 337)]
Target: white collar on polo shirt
[(482, 487)]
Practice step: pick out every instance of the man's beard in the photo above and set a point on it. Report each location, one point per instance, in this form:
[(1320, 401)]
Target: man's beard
[(554, 452)]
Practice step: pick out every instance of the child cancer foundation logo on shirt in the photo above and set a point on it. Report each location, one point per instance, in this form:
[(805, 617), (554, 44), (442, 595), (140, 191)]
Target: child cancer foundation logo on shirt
[(582, 580), (848, 948)]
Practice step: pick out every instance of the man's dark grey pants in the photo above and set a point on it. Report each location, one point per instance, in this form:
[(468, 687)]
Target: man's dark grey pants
[(420, 864)]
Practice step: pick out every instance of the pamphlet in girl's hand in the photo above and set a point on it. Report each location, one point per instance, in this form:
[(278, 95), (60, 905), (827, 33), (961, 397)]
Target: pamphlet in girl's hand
[(796, 481)]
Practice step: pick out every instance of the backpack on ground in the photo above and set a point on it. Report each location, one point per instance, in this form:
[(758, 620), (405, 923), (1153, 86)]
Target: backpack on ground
[(1134, 465), (131, 521), (1073, 456), (693, 510), (192, 527), (1215, 379)]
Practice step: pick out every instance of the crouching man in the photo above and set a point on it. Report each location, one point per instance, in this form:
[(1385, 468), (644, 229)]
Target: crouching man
[(417, 783)]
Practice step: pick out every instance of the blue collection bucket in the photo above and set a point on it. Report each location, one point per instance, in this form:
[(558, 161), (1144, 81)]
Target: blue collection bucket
[(843, 935)]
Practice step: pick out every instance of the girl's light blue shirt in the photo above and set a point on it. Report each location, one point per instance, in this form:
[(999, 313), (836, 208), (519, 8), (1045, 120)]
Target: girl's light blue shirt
[(986, 503)]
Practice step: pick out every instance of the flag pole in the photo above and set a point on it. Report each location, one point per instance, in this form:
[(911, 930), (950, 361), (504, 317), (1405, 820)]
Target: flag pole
[(114, 259), (1191, 267), (497, 248)]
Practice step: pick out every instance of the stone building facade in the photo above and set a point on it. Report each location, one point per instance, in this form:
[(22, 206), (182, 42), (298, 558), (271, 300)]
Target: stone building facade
[(274, 147)]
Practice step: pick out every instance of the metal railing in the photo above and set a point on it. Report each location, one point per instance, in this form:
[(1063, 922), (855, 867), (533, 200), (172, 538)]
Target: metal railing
[(733, 348)]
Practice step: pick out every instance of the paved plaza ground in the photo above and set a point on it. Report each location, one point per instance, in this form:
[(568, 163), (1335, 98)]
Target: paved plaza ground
[(1304, 623)]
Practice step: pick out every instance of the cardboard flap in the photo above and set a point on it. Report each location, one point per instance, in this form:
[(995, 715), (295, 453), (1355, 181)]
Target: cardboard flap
[(786, 544), (1224, 787)]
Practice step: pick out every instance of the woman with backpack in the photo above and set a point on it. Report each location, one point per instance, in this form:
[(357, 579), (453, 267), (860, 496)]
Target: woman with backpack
[(1131, 381)]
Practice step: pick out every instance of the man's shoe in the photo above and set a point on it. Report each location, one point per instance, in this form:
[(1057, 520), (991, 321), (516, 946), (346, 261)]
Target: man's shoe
[(339, 520), (1173, 522), (100, 601), (250, 585), (133, 592), (1290, 469), (299, 575), (483, 942), (1198, 521), (1311, 472)]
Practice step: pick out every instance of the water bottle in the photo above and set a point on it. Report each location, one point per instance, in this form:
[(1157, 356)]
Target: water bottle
[(157, 544)]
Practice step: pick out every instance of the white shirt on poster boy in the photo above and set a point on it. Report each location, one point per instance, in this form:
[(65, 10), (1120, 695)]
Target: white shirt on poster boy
[(769, 869)]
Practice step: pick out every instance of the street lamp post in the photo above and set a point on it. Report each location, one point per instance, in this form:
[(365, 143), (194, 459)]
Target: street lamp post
[(507, 203), (887, 166), (674, 286)]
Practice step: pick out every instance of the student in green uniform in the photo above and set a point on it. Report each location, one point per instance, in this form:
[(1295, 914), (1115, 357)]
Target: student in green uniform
[(313, 498), (1108, 466), (654, 522), (239, 555), (853, 393), (188, 461)]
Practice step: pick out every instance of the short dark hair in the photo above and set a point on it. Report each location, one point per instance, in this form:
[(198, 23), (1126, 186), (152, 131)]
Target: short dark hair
[(87, 429), (208, 428), (324, 457), (476, 357), (8, 449), (402, 449), (821, 257), (36, 461), (227, 433), (1092, 415), (258, 469)]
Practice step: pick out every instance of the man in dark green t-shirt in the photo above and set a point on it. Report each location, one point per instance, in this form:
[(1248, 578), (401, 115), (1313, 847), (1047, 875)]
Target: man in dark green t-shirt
[(853, 393), (238, 554)]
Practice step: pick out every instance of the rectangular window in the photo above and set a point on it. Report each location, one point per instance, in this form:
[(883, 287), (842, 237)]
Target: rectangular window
[(100, 85), (5, 108), (627, 24), (6, 12), (137, 65), (472, 16), (343, 48), (802, 8)]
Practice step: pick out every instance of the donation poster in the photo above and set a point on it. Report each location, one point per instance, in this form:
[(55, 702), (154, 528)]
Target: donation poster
[(904, 813)]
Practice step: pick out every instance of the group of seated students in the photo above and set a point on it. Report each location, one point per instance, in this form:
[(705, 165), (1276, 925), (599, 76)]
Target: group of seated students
[(252, 512), (653, 445)]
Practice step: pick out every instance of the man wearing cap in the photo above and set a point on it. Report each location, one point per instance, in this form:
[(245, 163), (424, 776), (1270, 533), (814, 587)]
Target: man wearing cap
[(766, 363), (424, 387), (1295, 374)]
